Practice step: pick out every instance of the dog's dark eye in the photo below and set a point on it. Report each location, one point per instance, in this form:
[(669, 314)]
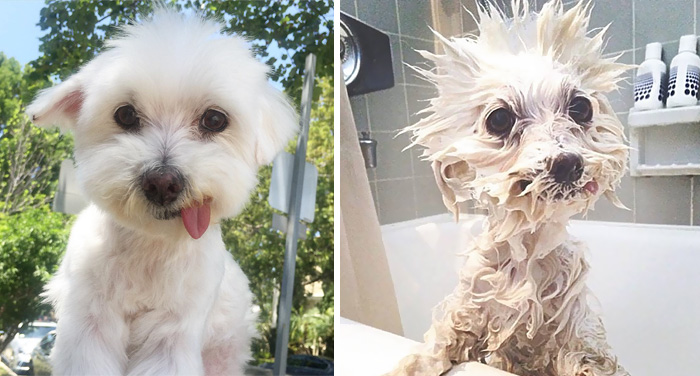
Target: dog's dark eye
[(127, 117), (499, 122), (580, 110), (213, 120)]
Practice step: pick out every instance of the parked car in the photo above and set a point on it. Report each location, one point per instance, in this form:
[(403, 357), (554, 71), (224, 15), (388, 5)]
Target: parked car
[(251, 370), (39, 364), (18, 354), (306, 365)]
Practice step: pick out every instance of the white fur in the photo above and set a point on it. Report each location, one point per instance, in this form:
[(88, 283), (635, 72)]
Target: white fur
[(136, 295), (521, 303)]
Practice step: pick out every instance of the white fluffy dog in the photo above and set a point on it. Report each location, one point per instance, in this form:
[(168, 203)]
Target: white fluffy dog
[(171, 123), (521, 125)]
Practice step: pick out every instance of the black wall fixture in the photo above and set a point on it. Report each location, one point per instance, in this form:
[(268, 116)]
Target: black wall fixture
[(365, 53)]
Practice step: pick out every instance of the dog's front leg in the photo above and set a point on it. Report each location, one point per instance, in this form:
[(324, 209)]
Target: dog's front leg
[(589, 362), (450, 340), (171, 343), (589, 353), (90, 342)]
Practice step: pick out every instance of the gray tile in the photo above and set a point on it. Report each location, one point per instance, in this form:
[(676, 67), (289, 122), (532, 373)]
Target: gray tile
[(470, 13), (662, 200), (623, 99), (669, 51), (428, 197), (696, 201), (409, 46), (568, 4), (396, 200), (605, 211), (359, 112), (619, 15), (470, 16), (421, 168), (697, 18), (449, 19), (392, 162), (505, 6), (396, 59), (416, 18), (348, 6), (418, 98), (379, 13), (677, 144), (387, 109), (662, 20), (469, 25)]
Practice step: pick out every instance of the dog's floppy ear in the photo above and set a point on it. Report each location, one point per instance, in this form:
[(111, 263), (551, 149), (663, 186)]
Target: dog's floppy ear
[(453, 179), (279, 123), (448, 195), (58, 105)]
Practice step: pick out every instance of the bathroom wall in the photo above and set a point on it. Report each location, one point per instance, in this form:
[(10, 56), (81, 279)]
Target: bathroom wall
[(402, 184)]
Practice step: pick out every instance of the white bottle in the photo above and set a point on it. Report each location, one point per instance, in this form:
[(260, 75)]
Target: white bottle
[(684, 80), (651, 82)]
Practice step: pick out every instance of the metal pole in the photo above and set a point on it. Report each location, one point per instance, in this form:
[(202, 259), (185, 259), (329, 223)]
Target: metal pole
[(290, 254)]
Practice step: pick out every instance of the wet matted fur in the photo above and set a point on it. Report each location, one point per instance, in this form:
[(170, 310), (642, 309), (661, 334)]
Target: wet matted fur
[(512, 103)]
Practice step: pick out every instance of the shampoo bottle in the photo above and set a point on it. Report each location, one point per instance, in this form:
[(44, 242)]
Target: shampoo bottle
[(650, 85), (684, 77)]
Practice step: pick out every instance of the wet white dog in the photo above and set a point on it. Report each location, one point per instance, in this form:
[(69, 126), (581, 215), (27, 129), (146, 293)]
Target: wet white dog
[(171, 123), (522, 126)]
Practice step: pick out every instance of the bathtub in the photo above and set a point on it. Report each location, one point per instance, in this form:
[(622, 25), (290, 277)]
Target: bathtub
[(646, 279)]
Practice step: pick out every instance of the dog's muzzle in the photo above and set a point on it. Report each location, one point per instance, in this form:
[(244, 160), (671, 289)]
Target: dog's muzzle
[(162, 185), (567, 168), (562, 175)]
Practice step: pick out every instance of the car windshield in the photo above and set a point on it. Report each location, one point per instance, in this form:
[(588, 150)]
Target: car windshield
[(36, 331)]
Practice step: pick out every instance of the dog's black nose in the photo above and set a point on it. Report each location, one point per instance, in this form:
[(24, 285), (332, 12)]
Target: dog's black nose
[(162, 185), (567, 168)]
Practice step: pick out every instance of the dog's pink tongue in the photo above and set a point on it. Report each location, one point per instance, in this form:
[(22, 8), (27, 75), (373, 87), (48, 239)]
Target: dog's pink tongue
[(591, 186), (196, 219)]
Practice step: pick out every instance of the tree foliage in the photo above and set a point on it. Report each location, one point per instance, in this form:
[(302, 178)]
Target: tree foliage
[(260, 250), (31, 245), (77, 31), (30, 157), (32, 238)]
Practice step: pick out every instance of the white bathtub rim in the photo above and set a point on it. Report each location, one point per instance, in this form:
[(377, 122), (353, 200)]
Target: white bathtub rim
[(463, 218)]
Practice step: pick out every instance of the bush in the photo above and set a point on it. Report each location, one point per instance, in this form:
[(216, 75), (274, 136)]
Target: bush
[(31, 244)]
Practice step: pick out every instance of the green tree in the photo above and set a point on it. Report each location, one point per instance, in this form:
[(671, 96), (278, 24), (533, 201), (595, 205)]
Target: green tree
[(260, 250), (30, 157), (32, 238), (31, 245), (77, 31)]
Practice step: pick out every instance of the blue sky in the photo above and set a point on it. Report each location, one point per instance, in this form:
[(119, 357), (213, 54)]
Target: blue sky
[(19, 35)]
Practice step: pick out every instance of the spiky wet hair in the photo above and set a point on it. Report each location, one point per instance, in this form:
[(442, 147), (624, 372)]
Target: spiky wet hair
[(472, 64)]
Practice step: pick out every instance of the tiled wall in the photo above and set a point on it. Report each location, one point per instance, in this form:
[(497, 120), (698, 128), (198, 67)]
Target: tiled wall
[(402, 184)]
